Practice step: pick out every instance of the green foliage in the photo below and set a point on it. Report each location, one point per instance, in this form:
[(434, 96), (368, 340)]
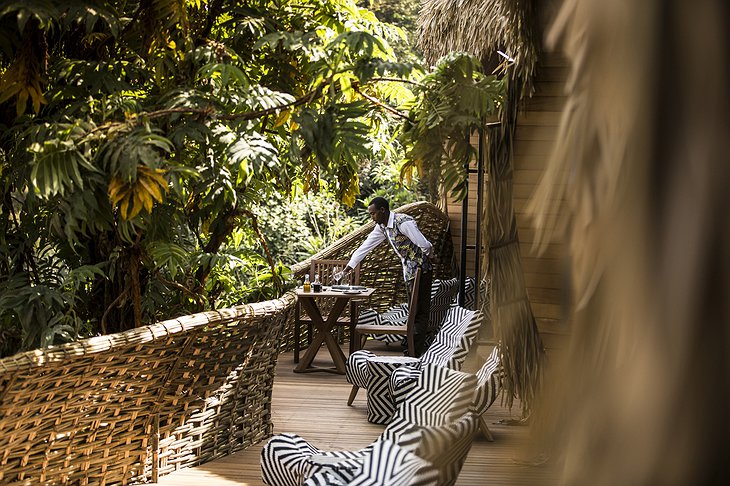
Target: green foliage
[(165, 157), (301, 226), (452, 102)]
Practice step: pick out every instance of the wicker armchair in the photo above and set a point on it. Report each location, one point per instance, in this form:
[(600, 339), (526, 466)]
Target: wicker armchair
[(127, 408)]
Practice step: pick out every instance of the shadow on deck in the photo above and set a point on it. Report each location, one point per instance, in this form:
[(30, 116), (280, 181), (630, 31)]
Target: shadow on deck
[(313, 405)]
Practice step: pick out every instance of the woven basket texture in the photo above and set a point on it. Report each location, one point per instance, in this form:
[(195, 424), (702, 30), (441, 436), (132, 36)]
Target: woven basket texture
[(381, 268), (129, 407)]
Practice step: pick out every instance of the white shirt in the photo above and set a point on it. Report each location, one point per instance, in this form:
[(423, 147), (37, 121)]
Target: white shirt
[(377, 236)]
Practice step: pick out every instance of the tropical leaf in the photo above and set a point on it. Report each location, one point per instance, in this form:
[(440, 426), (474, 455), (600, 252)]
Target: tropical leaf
[(169, 256), (132, 197)]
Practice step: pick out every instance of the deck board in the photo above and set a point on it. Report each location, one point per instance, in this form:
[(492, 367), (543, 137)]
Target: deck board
[(313, 405)]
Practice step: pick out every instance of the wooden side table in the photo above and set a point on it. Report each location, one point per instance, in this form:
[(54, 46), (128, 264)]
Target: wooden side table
[(323, 326)]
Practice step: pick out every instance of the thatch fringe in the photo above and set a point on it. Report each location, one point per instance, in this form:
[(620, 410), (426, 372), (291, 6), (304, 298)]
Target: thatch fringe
[(481, 27), (514, 323)]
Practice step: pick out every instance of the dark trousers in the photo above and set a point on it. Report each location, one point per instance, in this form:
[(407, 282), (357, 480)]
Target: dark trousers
[(423, 311)]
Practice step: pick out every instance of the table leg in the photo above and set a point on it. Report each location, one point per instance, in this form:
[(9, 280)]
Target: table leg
[(322, 334)]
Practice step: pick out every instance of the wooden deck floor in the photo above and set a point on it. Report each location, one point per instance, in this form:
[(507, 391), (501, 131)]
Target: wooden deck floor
[(313, 405)]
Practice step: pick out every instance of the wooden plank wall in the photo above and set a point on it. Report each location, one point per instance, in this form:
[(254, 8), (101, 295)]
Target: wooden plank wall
[(537, 128)]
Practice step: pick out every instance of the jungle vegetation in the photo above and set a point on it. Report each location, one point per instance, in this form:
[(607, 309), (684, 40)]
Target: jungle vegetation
[(162, 157)]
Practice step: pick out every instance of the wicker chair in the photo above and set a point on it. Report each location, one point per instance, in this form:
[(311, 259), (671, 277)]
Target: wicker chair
[(127, 408)]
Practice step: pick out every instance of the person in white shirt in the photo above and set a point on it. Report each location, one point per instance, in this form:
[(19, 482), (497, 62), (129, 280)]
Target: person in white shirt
[(414, 251)]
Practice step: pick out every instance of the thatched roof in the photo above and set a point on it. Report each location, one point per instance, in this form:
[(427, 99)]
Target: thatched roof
[(481, 28)]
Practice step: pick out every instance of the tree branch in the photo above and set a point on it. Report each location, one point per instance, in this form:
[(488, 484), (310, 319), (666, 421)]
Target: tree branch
[(395, 80), (382, 105), (265, 246)]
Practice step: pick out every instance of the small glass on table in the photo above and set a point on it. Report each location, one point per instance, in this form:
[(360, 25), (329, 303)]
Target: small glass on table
[(337, 275)]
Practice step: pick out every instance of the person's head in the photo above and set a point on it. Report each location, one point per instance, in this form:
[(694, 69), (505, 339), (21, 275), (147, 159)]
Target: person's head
[(379, 210)]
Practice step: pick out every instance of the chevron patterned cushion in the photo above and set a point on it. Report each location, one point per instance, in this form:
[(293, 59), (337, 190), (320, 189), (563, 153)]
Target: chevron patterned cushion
[(288, 458), (443, 295), (402, 382), (284, 460), (356, 368), (389, 464), (395, 316), (325, 478), (441, 396), (489, 379), (470, 298), (454, 339), (379, 368)]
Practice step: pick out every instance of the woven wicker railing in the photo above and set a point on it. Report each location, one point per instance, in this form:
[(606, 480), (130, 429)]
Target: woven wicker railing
[(128, 407), (382, 269)]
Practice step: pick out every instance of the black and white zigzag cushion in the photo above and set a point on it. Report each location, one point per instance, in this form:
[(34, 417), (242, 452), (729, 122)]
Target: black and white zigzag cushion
[(395, 316), (443, 294), (379, 368), (356, 368), (390, 464), (455, 338), (489, 378), (441, 396), (402, 382), (288, 458)]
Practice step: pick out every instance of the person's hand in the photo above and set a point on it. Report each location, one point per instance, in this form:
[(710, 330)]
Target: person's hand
[(434, 258)]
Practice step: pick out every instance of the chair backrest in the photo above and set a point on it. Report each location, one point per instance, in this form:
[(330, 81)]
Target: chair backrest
[(435, 421), (443, 293), (326, 269), (470, 293), (455, 338)]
